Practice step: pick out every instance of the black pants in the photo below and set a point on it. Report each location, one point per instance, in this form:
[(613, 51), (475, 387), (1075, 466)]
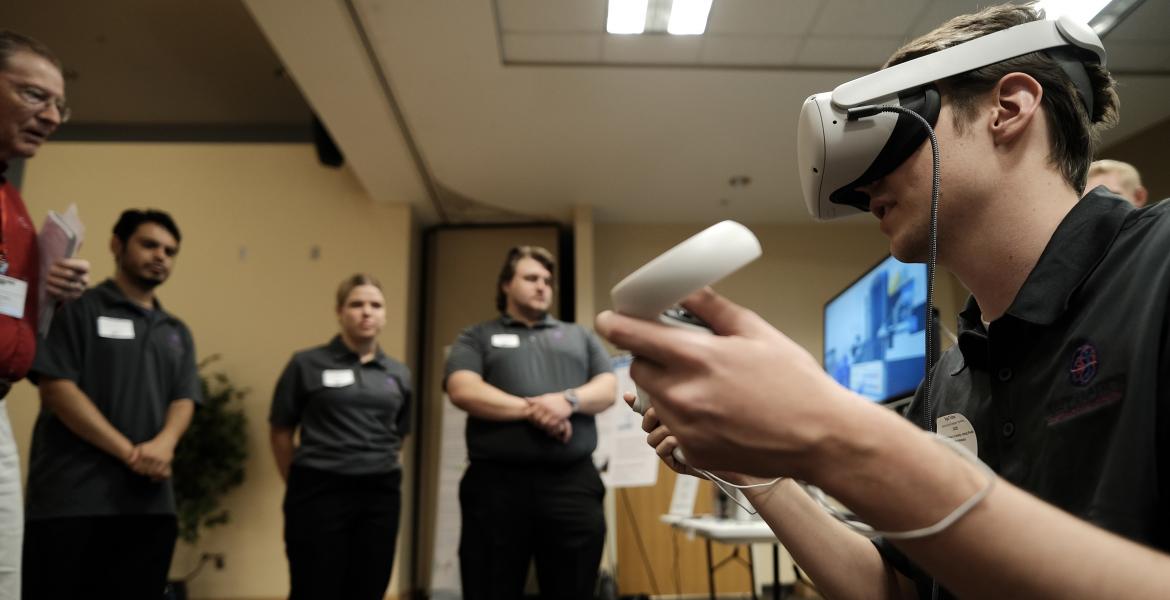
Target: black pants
[(340, 533), (98, 557), (513, 514)]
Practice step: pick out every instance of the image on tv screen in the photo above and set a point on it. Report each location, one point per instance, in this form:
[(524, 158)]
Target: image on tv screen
[(875, 332)]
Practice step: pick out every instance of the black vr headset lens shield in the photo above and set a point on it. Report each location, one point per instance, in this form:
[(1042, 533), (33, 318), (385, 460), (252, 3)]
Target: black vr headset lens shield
[(835, 155), (874, 147)]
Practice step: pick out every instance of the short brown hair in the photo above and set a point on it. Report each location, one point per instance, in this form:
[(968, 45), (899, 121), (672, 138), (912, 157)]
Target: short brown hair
[(353, 281), (1074, 132), (540, 255), (12, 42)]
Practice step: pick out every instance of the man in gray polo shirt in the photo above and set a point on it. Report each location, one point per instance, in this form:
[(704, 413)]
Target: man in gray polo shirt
[(118, 386), (530, 385)]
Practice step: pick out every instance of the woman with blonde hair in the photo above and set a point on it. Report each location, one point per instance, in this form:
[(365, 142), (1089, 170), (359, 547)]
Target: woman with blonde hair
[(351, 404)]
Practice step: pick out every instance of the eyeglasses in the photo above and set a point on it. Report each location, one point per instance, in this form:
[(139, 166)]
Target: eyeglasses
[(40, 99)]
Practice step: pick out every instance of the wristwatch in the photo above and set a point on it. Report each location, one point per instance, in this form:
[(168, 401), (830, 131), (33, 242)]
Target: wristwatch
[(572, 399)]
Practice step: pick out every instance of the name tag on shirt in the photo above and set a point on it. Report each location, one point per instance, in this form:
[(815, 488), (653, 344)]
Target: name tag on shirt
[(115, 329), (12, 294), (505, 340), (336, 378)]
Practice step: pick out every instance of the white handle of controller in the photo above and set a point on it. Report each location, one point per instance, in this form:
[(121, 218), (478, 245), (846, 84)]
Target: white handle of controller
[(700, 260)]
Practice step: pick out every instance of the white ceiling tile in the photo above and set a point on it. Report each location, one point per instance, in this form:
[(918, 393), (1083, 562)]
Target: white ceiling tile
[(867, 17), (762, 16), (1136, 56), (552, 47), (750, 50), (864, 53), (549, 16), (652, 49), (1148, 23)]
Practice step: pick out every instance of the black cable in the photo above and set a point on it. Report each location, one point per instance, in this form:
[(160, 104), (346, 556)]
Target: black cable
[(638, 539), (931, 263), (932, 252)]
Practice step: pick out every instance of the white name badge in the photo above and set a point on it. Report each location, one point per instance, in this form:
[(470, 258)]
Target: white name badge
[(956, 427), (12, 295), (336, 378), (115, 329), (505, 340)]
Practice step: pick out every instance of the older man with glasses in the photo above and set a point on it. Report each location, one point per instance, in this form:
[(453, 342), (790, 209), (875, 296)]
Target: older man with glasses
[(32, 106)]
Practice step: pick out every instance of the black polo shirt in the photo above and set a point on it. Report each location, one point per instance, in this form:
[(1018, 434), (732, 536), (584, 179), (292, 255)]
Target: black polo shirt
[(352, 416), (132, 363), (1068, 394), (551, 356)]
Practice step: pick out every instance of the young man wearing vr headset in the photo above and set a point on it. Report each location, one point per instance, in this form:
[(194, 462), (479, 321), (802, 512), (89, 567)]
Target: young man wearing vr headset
[(1061, 374)]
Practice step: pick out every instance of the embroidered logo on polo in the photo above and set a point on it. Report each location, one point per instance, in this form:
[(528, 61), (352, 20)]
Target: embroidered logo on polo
[(1086, 400), (1084, 365)]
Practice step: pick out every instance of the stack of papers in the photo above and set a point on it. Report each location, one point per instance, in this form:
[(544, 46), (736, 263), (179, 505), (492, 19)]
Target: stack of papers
[(60, 237)]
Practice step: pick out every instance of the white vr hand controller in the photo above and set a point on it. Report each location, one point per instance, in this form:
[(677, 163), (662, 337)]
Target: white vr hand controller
[(653, 291)]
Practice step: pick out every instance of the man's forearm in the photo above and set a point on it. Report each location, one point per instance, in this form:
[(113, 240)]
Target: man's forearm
[(842, 563), (599, 394), (1010, 544), (82, 417), (478, 398), (178, 419)]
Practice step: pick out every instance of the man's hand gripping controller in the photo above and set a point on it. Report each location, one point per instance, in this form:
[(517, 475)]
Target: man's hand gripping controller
[(653, 291)]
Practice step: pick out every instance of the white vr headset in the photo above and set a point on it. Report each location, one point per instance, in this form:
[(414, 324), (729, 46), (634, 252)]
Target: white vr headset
[(837, 152)]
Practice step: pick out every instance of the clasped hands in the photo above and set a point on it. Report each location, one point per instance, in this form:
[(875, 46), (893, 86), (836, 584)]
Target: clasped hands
[(152, 459), (550, 413)]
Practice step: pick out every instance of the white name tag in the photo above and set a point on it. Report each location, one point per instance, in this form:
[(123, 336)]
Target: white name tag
[(336, 378), (956, 427), (505, 340), (12, 295), (115, 329)]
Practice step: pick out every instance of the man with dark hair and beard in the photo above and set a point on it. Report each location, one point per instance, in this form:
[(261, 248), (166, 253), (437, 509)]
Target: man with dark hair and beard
[(118, 385)]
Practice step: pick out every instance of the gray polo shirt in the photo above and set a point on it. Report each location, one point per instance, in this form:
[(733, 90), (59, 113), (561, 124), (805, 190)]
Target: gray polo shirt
[(1068, 394), (352, 416), (132, 363), (552, 356)]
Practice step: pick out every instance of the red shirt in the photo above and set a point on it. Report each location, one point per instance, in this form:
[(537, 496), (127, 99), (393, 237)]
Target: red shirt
[(18, 337)]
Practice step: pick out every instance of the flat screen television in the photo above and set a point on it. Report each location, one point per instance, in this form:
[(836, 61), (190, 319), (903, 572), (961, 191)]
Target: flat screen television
[(875, 332)]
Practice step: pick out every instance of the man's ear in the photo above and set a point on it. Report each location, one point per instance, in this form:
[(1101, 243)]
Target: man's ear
[(1017, 99), (1141, 196), (115, 245)]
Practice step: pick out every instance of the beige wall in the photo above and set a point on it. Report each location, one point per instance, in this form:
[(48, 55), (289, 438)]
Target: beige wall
[(248, 287)]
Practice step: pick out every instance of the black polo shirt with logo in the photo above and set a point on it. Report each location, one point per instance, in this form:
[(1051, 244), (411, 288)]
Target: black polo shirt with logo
[(551, 356), (132, 363), (352, 416), (1068, 394)]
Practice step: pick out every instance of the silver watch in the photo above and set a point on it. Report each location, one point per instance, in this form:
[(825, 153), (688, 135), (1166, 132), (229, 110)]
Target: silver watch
[(572, 399)]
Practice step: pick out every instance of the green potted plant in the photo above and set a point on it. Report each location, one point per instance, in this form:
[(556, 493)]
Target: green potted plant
[(209, 462)]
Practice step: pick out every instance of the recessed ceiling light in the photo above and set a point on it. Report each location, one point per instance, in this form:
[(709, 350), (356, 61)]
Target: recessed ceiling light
[(626, 16), (677, 17), (689, 17), (1079, 10)]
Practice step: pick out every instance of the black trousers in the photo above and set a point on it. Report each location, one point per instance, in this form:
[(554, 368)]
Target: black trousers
[(340, 533), (98, 557), (514, 514)]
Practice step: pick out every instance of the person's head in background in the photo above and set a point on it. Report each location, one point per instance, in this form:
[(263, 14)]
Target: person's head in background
[(524, 289), (361, 309), (32, 95), (1121, 178), (144, 244)]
